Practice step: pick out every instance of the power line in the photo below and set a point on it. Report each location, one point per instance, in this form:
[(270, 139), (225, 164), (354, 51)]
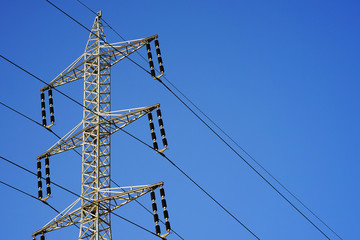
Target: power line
[(127, 134), (257, 172), (62, 11), (27, 170), (23, 192), (32, 196), (147, 210), (80, 155), (116, 32), (286, 189)]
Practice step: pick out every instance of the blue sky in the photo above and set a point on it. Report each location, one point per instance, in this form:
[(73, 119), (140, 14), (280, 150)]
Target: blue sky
[(280, 77)]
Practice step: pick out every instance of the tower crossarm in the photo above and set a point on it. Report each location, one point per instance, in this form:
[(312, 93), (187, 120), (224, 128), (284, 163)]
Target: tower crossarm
[(116, 121), (117, 199), (119, 51), (61, 222), (121, 197), (113, 53)]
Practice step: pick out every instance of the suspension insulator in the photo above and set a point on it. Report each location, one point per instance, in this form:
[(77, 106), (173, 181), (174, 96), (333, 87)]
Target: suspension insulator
[(40, 194), (162, 132), (157, 229), (39, 174), (47, 180), (48, 191), (158, 112), (150, 116), (161, 123), (162, 192), (149, 55), (152, 127), (153, 136), (38, 164), (158, 51), (156, 217), (161, 67), (167, 226), (164, 141), (52, 119), (39, 184), (151, 63), (156, 43), (152, 72), (166, 214), (148, 47), (152, 195), (42, 237), (43, 113), (46, 161), (47, 171), (155, 145), (163, 203), (160, 60), (154, 207)]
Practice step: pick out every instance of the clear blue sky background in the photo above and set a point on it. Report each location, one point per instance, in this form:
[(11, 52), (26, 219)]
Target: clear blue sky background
[(281, 77)]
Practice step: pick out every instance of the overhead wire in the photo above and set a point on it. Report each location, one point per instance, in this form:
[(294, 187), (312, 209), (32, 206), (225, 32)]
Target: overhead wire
[(217, 126), (27, 117), (62, 11), (32, 196), (21, 68), (75, 194), (188, 108)]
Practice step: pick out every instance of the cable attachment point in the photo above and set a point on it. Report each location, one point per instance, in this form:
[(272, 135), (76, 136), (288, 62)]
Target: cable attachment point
[(153, 134), (47, 172), (40, 194), (47, 179), (51, 107), (162, 130), (164, 205), (151, 63), (158, 53), (43, 112), (156, 216)]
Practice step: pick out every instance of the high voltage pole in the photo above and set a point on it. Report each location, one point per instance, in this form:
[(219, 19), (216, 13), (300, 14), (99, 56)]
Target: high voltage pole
[(93, 134)]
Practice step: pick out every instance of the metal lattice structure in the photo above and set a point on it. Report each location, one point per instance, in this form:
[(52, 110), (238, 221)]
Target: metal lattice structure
[(93, 134)]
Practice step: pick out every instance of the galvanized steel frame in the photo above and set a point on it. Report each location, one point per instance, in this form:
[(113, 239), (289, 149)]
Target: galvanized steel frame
[(97, 200)]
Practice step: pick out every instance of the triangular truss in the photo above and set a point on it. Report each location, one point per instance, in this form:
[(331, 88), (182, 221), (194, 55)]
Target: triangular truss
[(93, 133), (118, 197)]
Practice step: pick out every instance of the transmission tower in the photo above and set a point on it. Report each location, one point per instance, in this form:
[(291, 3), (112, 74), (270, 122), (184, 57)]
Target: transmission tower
[(93, 134)]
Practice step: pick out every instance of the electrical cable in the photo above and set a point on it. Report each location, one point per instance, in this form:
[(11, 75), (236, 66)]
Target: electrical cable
[(275, 179), (116, 32), (27, 170), (108, 120), (135, 64), (28, 194), (80, 155), (172, 230), (46, 203)]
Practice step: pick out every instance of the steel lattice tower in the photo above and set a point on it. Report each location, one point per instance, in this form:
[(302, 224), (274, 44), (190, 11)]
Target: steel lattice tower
[(97, 199), (96, 142)]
